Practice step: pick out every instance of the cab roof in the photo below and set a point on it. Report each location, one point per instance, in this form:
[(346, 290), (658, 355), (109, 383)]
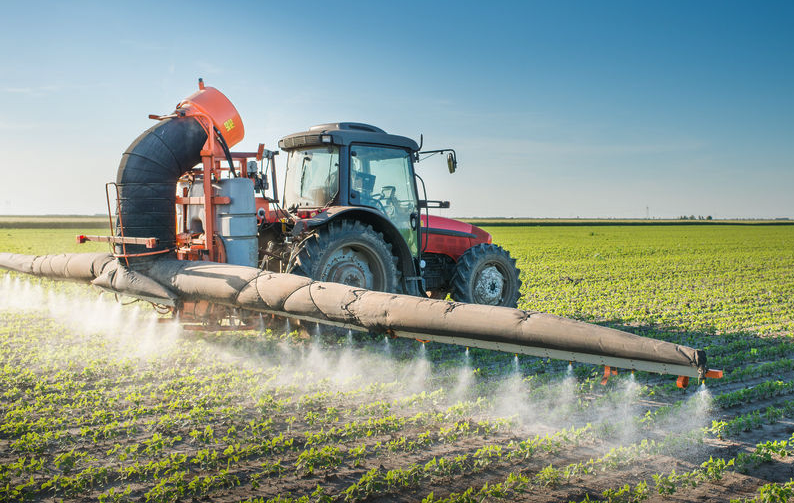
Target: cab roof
[(345, 133)]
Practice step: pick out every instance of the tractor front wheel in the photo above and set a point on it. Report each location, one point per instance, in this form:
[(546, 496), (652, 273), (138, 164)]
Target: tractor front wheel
[(348, 252), (486, 274)]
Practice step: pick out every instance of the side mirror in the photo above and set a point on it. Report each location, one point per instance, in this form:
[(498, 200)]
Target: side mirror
[(452, 163)]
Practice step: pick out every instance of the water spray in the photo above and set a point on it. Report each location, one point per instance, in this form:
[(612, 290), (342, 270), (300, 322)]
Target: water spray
[(317, 333), (386, 345), (464, 379)]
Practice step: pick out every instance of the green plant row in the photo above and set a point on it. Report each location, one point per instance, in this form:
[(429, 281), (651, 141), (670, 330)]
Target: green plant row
[(774, 492), (762, 391), (549, 476), (378, 481), (712, 471), (746, 422)]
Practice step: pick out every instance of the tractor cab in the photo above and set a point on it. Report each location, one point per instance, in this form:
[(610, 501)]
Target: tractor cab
[(356, 166)]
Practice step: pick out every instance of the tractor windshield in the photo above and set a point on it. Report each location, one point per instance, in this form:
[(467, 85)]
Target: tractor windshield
[(382, 178), (312, 178)]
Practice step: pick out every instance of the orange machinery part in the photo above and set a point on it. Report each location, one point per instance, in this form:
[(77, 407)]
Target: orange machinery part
[(608, 371), (681, 382), (214, 104), (210, 105)]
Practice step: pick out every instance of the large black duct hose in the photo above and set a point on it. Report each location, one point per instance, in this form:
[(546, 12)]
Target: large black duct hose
[(146, 181)]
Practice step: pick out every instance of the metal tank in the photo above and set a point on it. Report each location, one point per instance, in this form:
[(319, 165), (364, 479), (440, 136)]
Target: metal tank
[(235, 222), (195, 212)]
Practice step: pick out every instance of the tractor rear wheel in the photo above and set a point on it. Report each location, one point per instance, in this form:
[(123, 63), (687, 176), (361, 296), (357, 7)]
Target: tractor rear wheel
[(486, 274), (348, 252)]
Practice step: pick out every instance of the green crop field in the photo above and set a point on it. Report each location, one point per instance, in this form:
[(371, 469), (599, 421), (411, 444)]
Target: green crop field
[(101, 401), (53, 222)]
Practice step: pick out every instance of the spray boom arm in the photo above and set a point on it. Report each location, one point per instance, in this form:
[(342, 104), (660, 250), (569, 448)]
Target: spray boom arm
[(173, 282)]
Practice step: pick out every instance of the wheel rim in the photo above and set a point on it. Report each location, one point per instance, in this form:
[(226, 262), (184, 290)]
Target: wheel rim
[(354, 266), (489, 286)]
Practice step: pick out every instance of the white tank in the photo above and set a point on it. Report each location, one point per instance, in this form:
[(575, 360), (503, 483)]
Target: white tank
[(195, 212), (234, 222)]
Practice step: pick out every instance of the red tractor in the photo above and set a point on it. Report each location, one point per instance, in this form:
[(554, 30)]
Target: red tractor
[(351, 210)]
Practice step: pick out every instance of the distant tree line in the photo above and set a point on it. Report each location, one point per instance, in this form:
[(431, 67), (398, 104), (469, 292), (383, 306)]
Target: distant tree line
[(693, 217)]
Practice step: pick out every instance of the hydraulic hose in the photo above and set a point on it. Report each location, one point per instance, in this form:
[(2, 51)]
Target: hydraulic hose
[(226, 151)]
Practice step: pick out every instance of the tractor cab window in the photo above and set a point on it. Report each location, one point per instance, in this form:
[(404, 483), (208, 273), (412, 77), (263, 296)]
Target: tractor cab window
[(382, 178), (312, 178)]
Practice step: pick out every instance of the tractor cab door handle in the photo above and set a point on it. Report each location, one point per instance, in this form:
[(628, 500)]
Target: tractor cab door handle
[(414, 220)]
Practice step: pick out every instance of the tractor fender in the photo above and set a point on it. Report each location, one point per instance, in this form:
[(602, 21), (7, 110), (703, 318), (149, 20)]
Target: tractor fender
[(378, 222)]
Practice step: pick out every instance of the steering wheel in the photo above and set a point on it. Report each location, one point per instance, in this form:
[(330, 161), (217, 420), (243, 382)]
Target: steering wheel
[(386, 204), (375, 201)]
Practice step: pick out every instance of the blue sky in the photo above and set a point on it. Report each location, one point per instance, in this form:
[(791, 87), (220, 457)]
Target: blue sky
[(556, 109)]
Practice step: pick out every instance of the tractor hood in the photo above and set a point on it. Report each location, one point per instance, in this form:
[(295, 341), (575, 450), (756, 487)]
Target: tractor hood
[(435, 223), (450, 237)]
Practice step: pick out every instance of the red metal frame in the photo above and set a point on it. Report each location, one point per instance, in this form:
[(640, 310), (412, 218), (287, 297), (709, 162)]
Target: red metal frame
[(147, 242), (188, 247), (210, 108), (121, 239)]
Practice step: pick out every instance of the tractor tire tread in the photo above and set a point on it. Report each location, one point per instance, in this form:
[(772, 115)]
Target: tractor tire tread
[(473, 260), (312, 250)]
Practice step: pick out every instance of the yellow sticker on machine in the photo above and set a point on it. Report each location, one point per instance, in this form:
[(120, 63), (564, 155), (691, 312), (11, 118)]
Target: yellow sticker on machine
[(229, 124)]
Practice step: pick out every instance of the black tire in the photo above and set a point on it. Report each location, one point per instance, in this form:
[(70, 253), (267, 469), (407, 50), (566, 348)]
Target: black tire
[(348, 252), (486, 274)]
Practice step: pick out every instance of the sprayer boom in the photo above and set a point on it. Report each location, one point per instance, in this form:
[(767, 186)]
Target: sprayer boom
[(174, 282)]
